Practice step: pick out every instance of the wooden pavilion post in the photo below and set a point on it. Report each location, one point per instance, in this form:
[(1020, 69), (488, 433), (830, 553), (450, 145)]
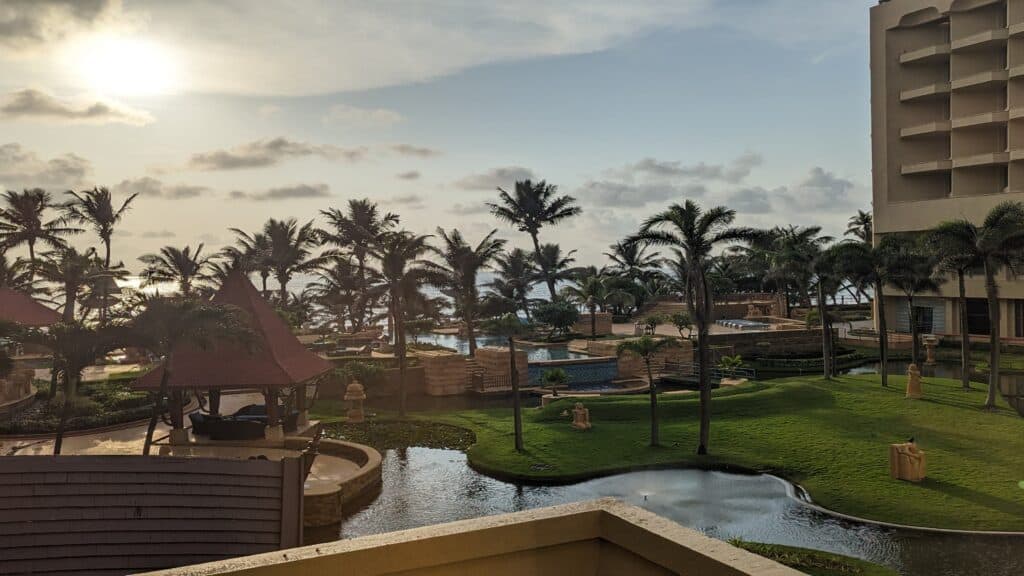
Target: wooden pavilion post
[(214, 406), (300, 405), (274, 430), (179, 435)]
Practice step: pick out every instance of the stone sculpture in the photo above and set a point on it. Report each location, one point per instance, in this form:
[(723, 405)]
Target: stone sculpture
[(580, 417), (914, 382), (355, 394), (907, 462)]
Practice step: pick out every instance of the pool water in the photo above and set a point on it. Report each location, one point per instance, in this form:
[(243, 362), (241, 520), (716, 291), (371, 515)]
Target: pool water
[(533, 353), (424, 486)]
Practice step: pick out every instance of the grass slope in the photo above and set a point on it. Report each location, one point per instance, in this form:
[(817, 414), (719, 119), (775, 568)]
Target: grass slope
[(813, 562), (831, 437)]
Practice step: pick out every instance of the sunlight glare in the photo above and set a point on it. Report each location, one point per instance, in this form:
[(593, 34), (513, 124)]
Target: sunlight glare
[(124, 66)]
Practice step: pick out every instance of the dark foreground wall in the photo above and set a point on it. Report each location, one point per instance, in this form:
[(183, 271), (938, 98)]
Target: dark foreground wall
[(85, 515)]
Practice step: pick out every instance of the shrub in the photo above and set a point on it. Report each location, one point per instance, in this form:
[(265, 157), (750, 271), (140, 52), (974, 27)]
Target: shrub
[(559, 315)]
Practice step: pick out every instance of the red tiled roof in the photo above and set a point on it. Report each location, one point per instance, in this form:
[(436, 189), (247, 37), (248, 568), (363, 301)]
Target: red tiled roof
[(279, 360), (20, 308)]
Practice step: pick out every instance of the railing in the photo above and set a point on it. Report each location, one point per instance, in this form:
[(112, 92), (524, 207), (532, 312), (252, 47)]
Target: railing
[(692, 369), (490, 382)]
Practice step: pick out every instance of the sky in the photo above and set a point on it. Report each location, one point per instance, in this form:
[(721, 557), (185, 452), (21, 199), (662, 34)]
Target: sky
[(225, 113)]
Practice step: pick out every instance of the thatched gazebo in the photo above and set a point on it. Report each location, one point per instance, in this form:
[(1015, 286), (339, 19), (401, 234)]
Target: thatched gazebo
[(276, 360), (20, 308)]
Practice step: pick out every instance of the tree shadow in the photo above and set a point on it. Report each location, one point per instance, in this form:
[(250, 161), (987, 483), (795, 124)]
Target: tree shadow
[(973, 496)]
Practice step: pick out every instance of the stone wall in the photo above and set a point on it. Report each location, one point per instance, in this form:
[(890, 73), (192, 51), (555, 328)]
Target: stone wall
[(444, 373), (603, 324), (494, 362), (773, 343), (630, 366)]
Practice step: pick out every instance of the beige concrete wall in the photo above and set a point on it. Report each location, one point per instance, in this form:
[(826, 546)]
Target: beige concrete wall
[(444, 373), (495, 362), (631, 366), (603, 324)]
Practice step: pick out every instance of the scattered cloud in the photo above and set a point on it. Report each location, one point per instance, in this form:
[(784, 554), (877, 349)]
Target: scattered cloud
[(268, 110), (263, 153), (408, 200), (410, 175), (148, 186), (410, 150), (756, 200), (504, 176), (823, 190), (297, 192), (21, 168), (348, 114), (630, 195), (29, 24), (30, 104), (469, 209), (157, 234), (733, 172)]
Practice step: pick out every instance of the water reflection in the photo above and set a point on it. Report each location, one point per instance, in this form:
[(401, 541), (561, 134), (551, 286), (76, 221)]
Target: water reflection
[(424, 486)]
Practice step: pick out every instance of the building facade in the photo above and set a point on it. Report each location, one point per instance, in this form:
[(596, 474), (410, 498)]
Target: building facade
[(947, 101)]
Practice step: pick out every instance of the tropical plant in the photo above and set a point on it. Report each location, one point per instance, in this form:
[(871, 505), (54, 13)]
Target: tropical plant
[(996, 244), (252, 253), (399, 254), (75, 346), (515, 277), (553, 378), (633, 261), (596, 291), (682, 321), (182, 266), (531, 206), (861, 226), (559, 316), (338, 289), (652, 321), (96, 208), (510, 327), (22, 221), (71, 271), (291, 251), (694, 234), (729, 365), (165, 323), (646, 348), (555, 266), (15, 274), (457, 273), (910, 268), (828, 279), (866, 265)]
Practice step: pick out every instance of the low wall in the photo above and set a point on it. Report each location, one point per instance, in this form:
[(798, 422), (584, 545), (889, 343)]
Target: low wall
[(630, 366), (494, 362), (327, 508), (594, 370), (444, 373), (602, 320), (16, 390), (770, 343), (333, 387)]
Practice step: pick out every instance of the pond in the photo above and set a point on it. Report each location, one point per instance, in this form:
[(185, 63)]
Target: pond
[(533, 353), (424, 486)]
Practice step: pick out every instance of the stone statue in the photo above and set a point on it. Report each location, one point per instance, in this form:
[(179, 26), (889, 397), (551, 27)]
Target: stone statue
[(914, 382), (907, 462), (355, 394), (580, 417)]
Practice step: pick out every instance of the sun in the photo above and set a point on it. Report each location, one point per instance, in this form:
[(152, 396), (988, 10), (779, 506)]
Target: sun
[(124, 66)]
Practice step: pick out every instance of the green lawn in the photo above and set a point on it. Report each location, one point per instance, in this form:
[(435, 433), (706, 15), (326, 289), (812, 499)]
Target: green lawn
[(813, 562), (832, 438)]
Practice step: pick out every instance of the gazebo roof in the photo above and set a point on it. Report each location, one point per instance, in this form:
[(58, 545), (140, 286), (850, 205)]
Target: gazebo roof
[(278, 360), (20, 308)]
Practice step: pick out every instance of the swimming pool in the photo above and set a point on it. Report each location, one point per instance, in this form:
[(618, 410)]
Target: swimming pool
[(533, 353)]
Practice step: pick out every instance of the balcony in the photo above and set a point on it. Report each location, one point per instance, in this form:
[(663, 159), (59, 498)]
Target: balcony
[(983, 119), (929, 129), (981, 40), (1016, 30), (1016, 155), (926, 55), (978, 160), (980, 80), (929, 167), (937, 90)]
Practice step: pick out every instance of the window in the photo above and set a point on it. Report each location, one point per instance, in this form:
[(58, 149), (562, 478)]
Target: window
[(977, 316)]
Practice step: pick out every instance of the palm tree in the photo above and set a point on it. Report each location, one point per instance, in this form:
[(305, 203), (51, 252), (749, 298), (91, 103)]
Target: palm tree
[(15, 275), (791, 254), (646, 347), (861, 226), (337, 288), (22, 222), (633, 261), (953, 243), (75, 346), (510, 327), (399, 254), (181, 265), (290, 250), (252, 252), (354, 230), (96, 208), (554, 265), (515, 277), (865, 265), (595, 290), (695, 234), (910, 268), (829, 277), (165, 323), (997, 243), (72, 271), (458, 270), (530, 207)]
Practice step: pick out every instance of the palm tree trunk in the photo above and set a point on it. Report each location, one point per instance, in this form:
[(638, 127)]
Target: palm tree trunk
[(283, 293), (883, 335), (31, 260), (702, 298), (593, 321), (103, 283), (653, 391), (69, 304), (469, 317), (517, 415), (965, 340), (400, 354), (543, 267), (264, 276), (65, 411), (826, 333), (915, 353), (159, 406), (992, 292)]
